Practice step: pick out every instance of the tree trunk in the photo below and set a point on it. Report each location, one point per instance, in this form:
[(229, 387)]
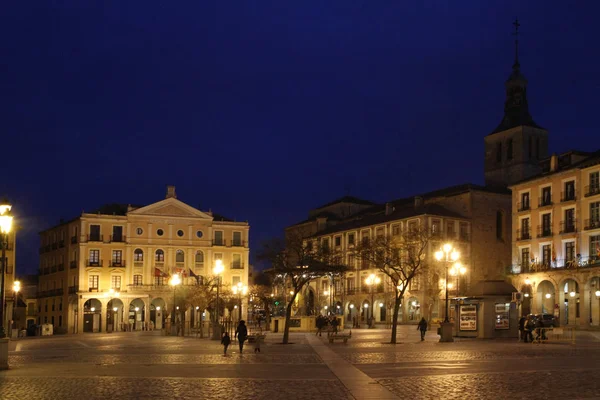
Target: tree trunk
[(288, 315), (395, 319)]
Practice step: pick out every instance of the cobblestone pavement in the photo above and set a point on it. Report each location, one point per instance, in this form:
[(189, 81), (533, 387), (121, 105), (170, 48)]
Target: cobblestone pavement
[(146, 365), (100, 388)]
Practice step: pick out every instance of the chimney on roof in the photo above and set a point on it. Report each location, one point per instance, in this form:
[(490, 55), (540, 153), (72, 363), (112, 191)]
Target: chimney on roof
[(171, 192), (389, 208), (418, 201), (553, 162)]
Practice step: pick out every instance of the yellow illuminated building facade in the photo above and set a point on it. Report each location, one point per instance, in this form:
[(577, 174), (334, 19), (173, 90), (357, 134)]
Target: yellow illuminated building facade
[(110, 269), (556, 239)]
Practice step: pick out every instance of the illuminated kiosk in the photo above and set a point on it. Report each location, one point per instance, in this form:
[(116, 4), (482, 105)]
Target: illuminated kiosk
[(487, 311)]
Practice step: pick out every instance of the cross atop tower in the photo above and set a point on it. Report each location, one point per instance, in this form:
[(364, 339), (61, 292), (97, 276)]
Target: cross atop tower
[(516, 25)]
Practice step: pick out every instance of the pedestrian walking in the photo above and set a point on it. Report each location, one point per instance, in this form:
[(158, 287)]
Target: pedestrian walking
[(529, 327), (225, 340), (258, 342), (319, 322), (241, 332), (422, 326)]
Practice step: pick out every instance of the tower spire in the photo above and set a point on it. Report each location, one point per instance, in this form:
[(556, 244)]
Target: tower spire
[(516, 25)]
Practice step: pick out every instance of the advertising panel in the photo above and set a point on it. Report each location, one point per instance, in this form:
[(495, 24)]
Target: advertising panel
[(502, 315), (468, 318)]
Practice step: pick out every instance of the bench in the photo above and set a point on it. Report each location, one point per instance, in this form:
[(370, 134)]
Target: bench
[(339, 336)]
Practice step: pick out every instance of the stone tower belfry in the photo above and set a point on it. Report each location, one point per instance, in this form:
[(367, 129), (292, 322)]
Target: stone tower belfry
[(513, 150)]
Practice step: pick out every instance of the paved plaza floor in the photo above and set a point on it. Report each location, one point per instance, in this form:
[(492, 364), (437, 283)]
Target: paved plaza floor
[(144, 365)]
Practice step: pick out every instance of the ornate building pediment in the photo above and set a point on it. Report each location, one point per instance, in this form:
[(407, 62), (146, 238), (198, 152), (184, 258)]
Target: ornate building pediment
[(170, 207)]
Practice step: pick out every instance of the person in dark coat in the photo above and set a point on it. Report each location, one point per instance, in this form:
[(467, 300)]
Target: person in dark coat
[(522, 329), (241, 332), (319, 322), (225, 340), (422, 327)]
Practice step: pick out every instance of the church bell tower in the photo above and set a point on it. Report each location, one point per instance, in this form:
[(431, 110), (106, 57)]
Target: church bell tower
[(513, 150)]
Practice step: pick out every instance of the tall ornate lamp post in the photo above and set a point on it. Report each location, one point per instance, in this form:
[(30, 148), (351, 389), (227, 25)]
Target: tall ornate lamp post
[(175, 280), (371, 281), (240, 289), (5, 228), (16, 290), (217, 271), (447, 255)]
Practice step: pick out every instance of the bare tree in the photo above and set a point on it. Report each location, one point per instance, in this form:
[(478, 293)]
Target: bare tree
[(400, 258), (297, 261), (262, 293), (201, 295)]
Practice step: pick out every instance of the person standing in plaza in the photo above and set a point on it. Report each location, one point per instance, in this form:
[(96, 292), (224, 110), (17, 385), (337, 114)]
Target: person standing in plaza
[(422, 327), (225, 340), (522, 329), (319, 323), (241, 332)]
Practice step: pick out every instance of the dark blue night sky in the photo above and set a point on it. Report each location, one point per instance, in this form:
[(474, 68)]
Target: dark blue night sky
[(261, 110)]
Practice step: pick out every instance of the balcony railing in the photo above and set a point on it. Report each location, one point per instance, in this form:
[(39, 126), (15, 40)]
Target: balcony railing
[(567, 196), (139, 263), (237, 265), (118, 238), (523, 206), (544, 231), (557, 264), (73, 239), (95, 238), (592, 224), (568, 226), (523, 234), (61, 267), (115, 263), (73, 289), (217, 242), (238, 243), (543, 202), (73, 264), (592, 190), (93, 263)]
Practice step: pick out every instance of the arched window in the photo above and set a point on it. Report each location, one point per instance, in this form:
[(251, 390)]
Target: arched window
[(199, 257), (499, 225), (138, 255), (159, 256), (179, 256)]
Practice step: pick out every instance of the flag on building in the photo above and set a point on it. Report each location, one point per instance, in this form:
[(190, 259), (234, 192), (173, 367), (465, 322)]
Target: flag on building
[(160, 274), (180, 271), (193, 275)]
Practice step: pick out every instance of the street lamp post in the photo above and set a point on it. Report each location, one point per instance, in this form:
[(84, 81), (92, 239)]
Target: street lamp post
[(240, 289), (217, 270), (5, 227), (371, 281), (447, 255), (175, 280), (16, 289)]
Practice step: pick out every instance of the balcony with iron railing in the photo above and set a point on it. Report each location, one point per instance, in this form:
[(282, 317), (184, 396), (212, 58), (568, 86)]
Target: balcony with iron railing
[(73, 289), (569, 226), (118, 238), (73, 264), (138, 263), (592, 224), (523, 234), (237, 265), (567, 196), (61, 267), (558, 264), (219, 242), (545, 202), (73, 239), (592, 190), (523, 206), (95, 238), (544, 231), (239, 243), (116, 263), (93, 263)]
